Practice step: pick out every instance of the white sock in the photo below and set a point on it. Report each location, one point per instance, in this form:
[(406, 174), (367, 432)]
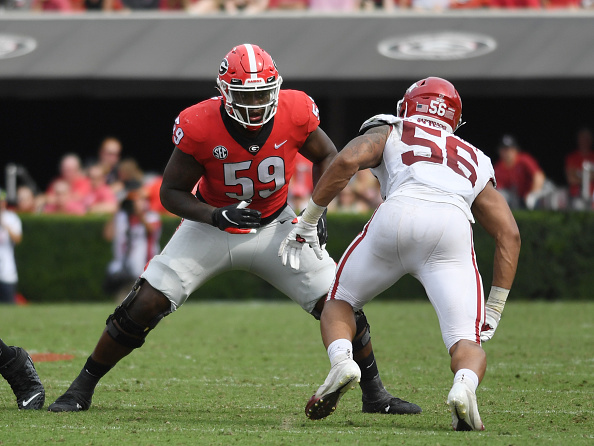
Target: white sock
[(469, 378), (338, 350)]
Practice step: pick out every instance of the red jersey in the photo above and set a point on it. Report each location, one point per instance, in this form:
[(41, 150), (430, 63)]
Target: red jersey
[(575, 161), (518, 177), (240, 168)]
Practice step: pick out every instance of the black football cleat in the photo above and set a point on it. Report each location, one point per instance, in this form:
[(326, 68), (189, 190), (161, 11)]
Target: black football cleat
[(23, 379), (391, 406), (74, 400)]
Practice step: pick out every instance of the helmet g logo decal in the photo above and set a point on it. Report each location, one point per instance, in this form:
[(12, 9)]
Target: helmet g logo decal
[(224, 66), (220, 152), (447, 45)]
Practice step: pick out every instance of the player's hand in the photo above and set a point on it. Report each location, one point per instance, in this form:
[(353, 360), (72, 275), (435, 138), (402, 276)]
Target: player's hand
[(291, 247), (322, 228), (236, 216), (492, 318)]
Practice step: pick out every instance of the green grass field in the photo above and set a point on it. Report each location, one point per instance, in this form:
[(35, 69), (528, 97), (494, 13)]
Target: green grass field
[(241, 373)]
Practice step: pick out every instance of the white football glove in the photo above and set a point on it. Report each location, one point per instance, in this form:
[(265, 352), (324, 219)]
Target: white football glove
[(492, 318), (292, 245), (493, 309)]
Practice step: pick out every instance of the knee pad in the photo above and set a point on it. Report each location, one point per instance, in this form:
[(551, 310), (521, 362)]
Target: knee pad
[(128, 332), (363, 334)]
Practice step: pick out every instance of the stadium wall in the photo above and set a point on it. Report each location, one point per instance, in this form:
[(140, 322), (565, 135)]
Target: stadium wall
[(64, 259)]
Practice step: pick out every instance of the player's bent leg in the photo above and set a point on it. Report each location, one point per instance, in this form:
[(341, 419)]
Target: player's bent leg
[(337, 327), (126, 330), (468, 364), (343, 376), (375, 397)]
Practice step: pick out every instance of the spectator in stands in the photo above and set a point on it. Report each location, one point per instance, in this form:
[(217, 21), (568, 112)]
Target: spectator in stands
[(128, 171), (335, 5), (101, 199), (245, 6), (15, 5), (515, 4), (98, 5), (519, 176), (174, 5), (27, 202), (152, 189), (429, 5), (63, 200), (469, 4), (135, 232), (51, 5), (288, 5), (574, 167), (562, 4), (201, 7), (384, 5), (11, 234), (110, 151), (140, 5), (79, 186)]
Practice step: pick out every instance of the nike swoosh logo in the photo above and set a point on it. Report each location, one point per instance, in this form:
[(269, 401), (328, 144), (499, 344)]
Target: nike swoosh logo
[(278, 146), (388, 408), (26, 402), (224, 214)]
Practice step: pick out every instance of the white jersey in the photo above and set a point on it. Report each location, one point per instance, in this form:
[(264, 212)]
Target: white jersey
[(8, 269), (430, 164)]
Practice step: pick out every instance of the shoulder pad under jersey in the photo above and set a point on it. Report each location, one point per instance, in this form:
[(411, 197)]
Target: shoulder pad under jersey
[(377, 121)]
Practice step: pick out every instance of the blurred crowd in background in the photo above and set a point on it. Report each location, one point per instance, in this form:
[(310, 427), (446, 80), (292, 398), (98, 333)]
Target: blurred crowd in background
[(101, 185), (115, 185), (200, 7)]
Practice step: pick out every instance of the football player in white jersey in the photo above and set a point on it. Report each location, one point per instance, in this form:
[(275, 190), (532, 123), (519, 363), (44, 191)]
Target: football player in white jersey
[(434, 186)]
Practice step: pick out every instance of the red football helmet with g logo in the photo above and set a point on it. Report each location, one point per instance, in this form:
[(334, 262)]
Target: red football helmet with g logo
[(250, 84), (434, 101)]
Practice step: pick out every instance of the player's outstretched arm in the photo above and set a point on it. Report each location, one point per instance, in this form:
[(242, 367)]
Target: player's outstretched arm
[(492, 211), (362, 152)]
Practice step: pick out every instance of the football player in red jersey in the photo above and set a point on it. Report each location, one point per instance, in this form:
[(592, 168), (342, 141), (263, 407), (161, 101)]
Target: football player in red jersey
[(240, 149)]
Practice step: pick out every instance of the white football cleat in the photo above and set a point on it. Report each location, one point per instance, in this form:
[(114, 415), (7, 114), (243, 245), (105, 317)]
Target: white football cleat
[(342, 377), (465, 414)]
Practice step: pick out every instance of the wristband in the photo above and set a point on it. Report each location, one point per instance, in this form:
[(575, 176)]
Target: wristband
[(497, 298), (312, 213)]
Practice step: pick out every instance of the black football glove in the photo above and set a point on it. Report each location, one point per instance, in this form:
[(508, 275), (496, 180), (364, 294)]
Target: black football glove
[(236, 216), (322, 227)]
